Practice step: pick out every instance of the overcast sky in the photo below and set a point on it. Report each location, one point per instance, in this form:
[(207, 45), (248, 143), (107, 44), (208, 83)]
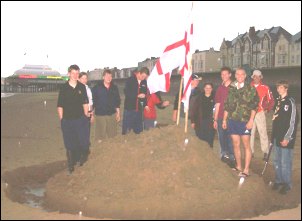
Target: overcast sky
[(120, 34)]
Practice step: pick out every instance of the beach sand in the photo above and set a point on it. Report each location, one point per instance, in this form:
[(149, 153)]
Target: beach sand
[(32, 150)]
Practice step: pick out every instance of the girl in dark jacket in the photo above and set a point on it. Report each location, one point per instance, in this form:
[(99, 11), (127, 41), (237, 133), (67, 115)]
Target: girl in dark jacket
[(202, 114)]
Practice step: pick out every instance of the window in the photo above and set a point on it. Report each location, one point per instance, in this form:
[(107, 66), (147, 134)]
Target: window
[(281, 58), (247, 48), (292, 59), (265, 44), (201, 64)]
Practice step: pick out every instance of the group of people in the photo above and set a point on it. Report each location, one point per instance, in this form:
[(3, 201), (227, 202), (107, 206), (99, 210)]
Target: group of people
[(236, 110), (78, 106)]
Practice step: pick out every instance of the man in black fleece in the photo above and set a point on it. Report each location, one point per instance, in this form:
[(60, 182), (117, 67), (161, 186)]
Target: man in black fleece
[(135, 101)]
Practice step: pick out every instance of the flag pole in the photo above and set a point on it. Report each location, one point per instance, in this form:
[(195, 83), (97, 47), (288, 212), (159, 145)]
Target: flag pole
[(179, 100), (186, 122)]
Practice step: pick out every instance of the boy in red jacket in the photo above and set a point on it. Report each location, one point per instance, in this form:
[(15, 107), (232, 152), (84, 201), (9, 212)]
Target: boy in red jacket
[(153, 100)]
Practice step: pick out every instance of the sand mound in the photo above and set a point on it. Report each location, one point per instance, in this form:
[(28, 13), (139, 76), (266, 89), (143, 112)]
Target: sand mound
[(154, 175)]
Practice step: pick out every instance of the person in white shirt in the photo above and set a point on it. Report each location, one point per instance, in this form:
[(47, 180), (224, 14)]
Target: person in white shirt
[(83, 78)]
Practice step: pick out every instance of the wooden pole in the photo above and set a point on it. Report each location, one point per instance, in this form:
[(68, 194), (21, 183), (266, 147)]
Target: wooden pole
[(186, 122), (179, 100)]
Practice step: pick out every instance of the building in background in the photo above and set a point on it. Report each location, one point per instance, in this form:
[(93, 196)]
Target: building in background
[(268, 48), (148, 62), (34, 78), (206, 61)]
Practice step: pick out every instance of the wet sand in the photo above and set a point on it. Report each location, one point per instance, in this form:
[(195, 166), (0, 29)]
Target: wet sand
[(31, 135)]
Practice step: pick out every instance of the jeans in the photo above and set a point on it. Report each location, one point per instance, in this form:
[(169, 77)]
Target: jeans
[(225, 141), (132, 120), (283, 158)]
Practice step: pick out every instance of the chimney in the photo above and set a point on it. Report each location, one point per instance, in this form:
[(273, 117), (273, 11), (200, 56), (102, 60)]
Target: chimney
[(252, 31)]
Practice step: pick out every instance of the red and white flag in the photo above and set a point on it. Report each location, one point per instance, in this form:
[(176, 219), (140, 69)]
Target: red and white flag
[(176, 55), (173, 57), (186, 72)]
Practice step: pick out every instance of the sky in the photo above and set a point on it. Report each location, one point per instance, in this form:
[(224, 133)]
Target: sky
[(121, 34)]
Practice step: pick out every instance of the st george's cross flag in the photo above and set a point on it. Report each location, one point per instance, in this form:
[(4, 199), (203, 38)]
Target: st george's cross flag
[(176, 55)]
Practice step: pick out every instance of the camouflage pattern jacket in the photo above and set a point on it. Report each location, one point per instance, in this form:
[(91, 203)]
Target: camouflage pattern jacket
[(240, 102)]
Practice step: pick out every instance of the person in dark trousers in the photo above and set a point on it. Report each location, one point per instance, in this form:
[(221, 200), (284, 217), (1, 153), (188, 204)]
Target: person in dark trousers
[(83, 78), (202, 115), (285, 121), (106, 104), (225, 140), (72, 109), (135, 101)]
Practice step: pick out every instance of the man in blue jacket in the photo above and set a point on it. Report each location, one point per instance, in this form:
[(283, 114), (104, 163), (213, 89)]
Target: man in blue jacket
[(106, 103), (135, 101)]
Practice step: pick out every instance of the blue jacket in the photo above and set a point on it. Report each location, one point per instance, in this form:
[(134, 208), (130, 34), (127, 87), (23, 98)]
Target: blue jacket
[(105, 101)]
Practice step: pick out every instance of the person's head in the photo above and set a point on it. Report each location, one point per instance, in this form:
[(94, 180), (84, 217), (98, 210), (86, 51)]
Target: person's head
[(73, 72), (195, 80), (240, 75), (208, 88), (83, 78), (257, 76), (107, 76), (282, 88), (225, 73), (142, 73)]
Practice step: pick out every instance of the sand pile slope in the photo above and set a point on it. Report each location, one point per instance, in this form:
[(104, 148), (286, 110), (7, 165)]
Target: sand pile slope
[(154, 175)]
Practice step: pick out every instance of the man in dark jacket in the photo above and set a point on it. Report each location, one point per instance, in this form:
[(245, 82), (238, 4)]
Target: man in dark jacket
[(106, 103), (285, 122), (135, 101)]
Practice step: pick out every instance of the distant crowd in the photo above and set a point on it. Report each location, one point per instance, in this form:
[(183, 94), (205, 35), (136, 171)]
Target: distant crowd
[(236, 110)]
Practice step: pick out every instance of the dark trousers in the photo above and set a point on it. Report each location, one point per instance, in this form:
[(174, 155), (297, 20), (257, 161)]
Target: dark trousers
[(76, 140), (132, 120), (206, 131)]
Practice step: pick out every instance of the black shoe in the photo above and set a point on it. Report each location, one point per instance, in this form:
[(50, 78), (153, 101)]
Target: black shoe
[(276, 186), (284, 189), (225, 158), (232, 164), (265, 155), (70, 170)]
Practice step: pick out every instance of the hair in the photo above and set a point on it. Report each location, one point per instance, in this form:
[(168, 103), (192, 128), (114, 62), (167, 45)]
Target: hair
[(242, 69), (144, 70), (106, 71), (283, 83), (73, 67), (82, 74), (226, 69), (208, 83)]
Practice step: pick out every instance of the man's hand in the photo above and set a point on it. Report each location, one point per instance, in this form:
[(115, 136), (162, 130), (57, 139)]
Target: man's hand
[(117, 117), (249, 124), (284, 143), (224, 124), (165, 103), (142, 95), (215, 125)]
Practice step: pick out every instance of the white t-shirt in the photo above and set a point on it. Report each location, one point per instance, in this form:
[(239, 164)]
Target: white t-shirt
[(89, 95)]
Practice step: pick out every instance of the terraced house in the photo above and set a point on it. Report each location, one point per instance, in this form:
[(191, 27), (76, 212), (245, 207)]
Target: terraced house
[(268, 48)]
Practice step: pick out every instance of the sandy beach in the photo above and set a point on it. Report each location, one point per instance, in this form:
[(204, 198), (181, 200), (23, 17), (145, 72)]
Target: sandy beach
[(32, 151)]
